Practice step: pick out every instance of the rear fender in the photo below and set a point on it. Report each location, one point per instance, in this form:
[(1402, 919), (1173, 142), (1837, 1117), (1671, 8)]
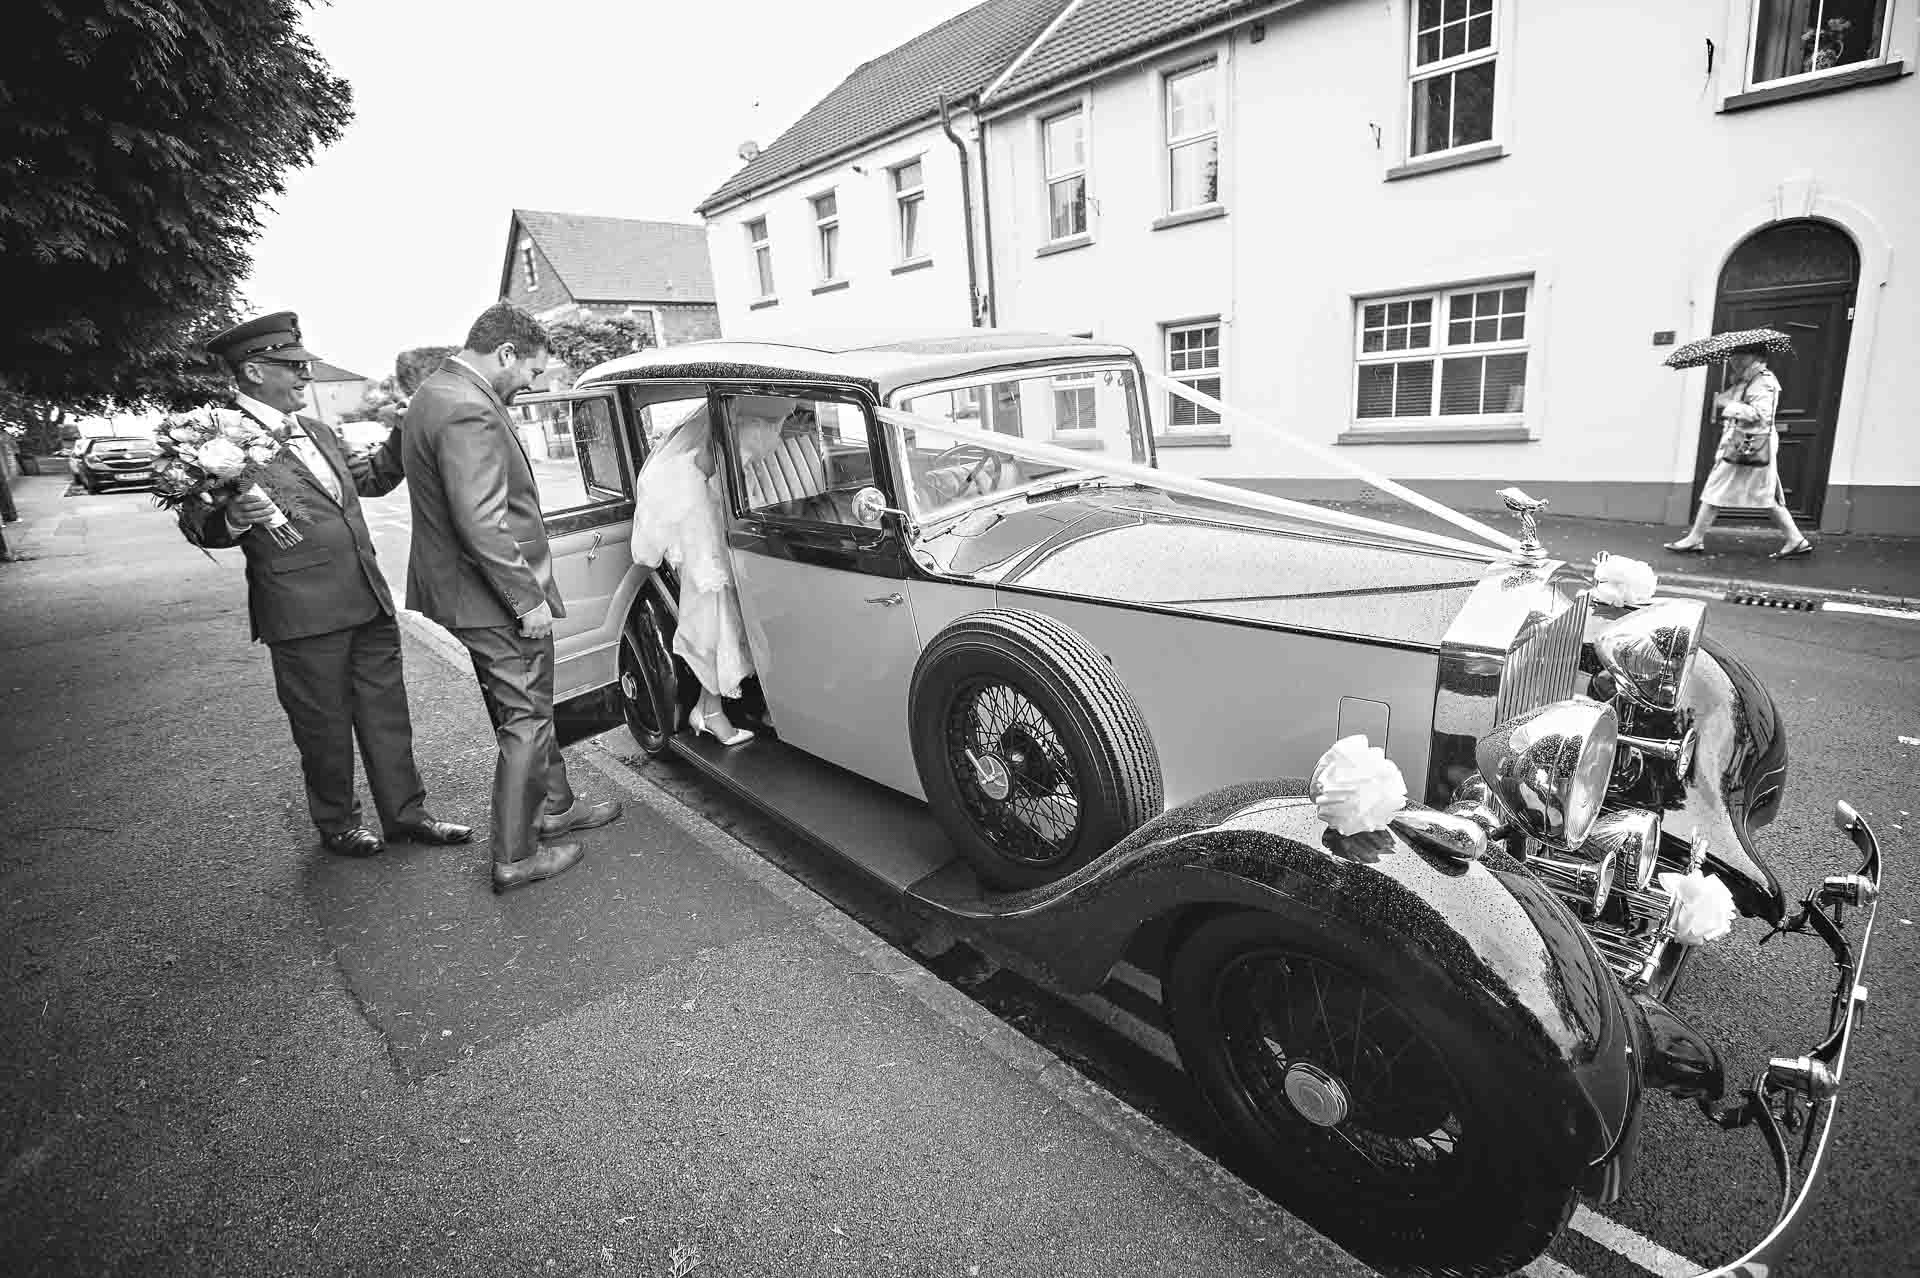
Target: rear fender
[(1503, 937)]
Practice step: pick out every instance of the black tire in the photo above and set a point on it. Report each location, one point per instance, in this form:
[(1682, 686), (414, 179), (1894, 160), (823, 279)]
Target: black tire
[(86, 482), (1438, 1155), (649, 688), (1069, 767)]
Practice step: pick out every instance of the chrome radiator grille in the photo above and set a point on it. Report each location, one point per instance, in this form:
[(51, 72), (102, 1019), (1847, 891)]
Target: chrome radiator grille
[(1543, 662)]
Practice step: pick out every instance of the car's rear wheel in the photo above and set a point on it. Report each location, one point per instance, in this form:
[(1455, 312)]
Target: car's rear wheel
[(1372, 1098), (649, 688), (1033, 757)]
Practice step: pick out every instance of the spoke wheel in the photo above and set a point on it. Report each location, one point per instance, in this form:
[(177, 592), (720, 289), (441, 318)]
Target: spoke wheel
[(1032, 756), (1338, 1068), (648, 684), (1017, 781), (1390, 1105)]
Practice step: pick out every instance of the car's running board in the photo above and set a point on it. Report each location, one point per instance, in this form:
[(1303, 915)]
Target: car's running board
[(890, 836)]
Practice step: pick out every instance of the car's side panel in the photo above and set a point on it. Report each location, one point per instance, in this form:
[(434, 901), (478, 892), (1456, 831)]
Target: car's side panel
[(1231, 703), (834, 647), (590, 567)]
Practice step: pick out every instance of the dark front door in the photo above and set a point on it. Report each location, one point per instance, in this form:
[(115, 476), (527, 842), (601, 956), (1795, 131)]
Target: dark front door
[(1799, 278)]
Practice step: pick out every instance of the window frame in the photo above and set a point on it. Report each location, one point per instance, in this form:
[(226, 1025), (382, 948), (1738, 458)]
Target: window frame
[(1417, 72), (1215, 372), (528, 264), (914, 196), (719, 395), (1438, 350), (1084, 172), (760, 257), (1746, 82), (1216, 65), (827, 267), (593, 513)]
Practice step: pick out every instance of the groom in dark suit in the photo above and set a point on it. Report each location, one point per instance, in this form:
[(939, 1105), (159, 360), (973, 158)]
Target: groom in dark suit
[(321, 605), (482, 568)]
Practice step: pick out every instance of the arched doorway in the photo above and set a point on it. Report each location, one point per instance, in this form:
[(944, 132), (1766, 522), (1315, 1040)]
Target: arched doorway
[(1799, 277)]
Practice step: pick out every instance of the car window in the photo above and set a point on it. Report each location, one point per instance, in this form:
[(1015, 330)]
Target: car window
[(799, 458), (575, 451)]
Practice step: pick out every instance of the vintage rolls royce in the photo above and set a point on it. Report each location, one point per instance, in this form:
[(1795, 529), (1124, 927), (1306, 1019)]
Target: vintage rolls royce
[(1068, 705)]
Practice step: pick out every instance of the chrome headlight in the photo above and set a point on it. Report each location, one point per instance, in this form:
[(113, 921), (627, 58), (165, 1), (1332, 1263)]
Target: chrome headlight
[(1649, 651), (1547, 770), (1630, 837)]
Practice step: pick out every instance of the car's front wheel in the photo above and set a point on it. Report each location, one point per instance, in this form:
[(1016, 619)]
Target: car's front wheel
[(1032, 755), (1367, 1093)]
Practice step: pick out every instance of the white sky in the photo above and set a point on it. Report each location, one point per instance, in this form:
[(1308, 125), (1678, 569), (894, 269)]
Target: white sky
[(467, 109)]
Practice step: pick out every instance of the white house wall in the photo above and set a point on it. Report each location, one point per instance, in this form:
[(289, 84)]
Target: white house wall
[(1621, 192), (880, 290)]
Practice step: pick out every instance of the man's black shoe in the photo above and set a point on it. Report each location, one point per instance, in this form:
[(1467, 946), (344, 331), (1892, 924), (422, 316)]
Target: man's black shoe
[(359, 841), (581, 816), (430, 830), (551, 859)]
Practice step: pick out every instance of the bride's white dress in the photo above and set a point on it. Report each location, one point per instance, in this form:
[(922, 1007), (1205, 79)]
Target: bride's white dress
[(677, 519)]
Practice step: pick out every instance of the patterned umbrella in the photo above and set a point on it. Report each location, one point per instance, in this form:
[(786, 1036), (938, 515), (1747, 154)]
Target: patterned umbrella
[(1709, 349)]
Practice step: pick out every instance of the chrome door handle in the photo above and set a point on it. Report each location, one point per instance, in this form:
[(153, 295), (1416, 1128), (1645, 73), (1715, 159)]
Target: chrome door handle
[(888, 601), (594, 549)]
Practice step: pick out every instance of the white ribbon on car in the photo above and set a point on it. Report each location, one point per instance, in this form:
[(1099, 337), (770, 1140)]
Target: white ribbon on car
[(1227, 494)]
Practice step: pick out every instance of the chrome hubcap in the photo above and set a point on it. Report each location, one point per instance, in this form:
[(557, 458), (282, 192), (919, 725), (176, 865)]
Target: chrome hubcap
[(995, 781), (1317, 1094), (629, 686)]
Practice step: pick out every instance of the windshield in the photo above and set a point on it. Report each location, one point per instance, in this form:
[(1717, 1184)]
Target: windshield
[(1091, 408)]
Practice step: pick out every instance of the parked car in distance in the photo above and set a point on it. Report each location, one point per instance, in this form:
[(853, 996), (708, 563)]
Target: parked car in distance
[(112, 461)]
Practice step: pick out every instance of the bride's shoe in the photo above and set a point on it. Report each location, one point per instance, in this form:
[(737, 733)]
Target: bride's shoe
[(727, 734)]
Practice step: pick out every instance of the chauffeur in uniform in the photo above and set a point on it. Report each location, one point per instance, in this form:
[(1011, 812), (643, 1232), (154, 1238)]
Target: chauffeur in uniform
[(482, 568), (321, 605)]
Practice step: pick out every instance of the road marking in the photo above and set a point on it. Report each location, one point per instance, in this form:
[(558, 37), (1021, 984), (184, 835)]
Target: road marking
[(1548, 1267), (1642, 1251), (1898, 614)]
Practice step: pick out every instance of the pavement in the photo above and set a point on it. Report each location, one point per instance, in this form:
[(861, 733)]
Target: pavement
[(222, 1051)]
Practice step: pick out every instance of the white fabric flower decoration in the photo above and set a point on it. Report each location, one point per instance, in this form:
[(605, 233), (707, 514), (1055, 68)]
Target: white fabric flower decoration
[(1621, 581), (1706, 911), (222, 457), (1356, 787)]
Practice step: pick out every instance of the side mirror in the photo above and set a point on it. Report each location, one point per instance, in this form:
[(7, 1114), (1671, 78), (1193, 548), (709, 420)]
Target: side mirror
[(869, 504)]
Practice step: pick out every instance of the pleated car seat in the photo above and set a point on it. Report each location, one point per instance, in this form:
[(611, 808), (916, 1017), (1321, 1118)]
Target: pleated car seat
[(790, 472)]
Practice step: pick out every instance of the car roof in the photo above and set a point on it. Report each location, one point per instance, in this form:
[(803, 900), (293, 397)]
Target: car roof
[(884, 360)]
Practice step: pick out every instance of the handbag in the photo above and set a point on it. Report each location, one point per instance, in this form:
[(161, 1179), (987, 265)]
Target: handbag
[(1741, 448)]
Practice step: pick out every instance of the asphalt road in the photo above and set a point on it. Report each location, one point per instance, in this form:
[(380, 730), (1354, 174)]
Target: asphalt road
[(1848, 689)]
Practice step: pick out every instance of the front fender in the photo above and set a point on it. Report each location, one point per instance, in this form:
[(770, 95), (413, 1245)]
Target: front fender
[(1739, 775), (1502, 936)]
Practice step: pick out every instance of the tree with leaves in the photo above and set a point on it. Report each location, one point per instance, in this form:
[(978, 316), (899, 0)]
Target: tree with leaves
[(582, 343), (137, 144), (411, 367)]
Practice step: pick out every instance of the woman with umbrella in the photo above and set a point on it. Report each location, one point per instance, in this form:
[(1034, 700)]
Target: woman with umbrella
[(1746, 475)]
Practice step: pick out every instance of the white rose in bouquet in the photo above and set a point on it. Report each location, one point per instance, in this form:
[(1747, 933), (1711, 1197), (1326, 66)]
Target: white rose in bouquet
[(1356, 787), (1621, 581), (261, 451), (222, 457), (1706, 911)]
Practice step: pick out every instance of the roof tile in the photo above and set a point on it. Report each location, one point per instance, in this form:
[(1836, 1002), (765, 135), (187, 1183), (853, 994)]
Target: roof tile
[(1097, 32), (959, 57), (618, 259)]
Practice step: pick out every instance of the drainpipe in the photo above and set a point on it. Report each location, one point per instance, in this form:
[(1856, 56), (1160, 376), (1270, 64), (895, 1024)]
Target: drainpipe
[(966, 205), (986, 223)]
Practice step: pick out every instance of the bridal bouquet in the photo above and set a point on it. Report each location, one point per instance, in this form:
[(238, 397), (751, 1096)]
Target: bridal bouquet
[(218, 451)]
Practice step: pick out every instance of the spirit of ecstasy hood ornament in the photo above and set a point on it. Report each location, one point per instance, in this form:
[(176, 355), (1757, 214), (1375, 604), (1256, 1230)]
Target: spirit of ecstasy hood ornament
[(1531, 551)]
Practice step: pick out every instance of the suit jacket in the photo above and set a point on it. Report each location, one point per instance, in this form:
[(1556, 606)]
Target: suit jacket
[(330, 579), (480, 554)]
